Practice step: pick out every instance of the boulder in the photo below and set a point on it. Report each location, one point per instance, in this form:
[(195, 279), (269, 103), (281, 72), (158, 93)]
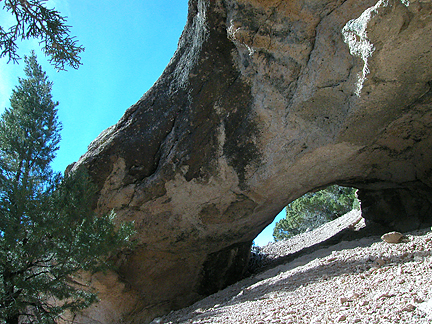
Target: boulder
[(263, 101), (392, 237)]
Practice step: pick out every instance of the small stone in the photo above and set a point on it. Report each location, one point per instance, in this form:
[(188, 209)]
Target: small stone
[(354, 296), (418, 258), (380, 262), (364, 303), (408, 308), (343, 300), (392, 237), (342, 318), (418, 299), (382, 295)]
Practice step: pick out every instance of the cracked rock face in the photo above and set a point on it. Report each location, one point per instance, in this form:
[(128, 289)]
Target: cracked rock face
[(263, 101)]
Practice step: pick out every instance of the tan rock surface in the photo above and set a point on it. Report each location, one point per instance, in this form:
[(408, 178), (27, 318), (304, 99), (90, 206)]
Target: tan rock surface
[(262, 102), (392, 237)]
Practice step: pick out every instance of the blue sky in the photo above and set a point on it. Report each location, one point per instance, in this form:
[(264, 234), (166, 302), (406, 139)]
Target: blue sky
[(128, 44), (266, 235)]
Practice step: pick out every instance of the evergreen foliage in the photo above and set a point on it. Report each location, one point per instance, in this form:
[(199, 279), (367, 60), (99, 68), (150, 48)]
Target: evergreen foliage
[(314, 209), (34, 20), (48, 231)]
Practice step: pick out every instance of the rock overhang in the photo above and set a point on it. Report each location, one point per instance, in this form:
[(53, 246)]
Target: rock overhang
[(262, 102)]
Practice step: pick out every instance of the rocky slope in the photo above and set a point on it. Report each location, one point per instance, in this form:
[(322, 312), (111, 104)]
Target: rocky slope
[(360, 281)]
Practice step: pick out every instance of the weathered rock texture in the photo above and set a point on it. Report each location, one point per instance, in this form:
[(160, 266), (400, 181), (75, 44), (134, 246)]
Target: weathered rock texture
[(263, 101)]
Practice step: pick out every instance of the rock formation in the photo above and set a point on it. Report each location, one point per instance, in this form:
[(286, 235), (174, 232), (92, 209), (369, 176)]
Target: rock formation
[(263, 101)]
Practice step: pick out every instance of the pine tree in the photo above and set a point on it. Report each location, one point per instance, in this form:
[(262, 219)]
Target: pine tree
[(35, 20), (48, 231), (314, 209)]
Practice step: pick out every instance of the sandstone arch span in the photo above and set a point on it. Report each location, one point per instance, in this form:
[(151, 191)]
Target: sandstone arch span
[(263, 101)]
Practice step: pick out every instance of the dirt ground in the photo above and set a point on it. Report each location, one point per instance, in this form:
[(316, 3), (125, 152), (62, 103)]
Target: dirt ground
[(363, 280)]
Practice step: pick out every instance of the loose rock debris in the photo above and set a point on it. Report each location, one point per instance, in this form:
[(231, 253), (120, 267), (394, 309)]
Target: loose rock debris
[(361, 281)]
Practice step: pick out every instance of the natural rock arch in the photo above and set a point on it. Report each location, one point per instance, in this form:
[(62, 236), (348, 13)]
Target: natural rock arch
[(263, 101)]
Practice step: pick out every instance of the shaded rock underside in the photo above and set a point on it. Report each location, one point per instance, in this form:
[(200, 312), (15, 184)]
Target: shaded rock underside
[(262, 102)]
